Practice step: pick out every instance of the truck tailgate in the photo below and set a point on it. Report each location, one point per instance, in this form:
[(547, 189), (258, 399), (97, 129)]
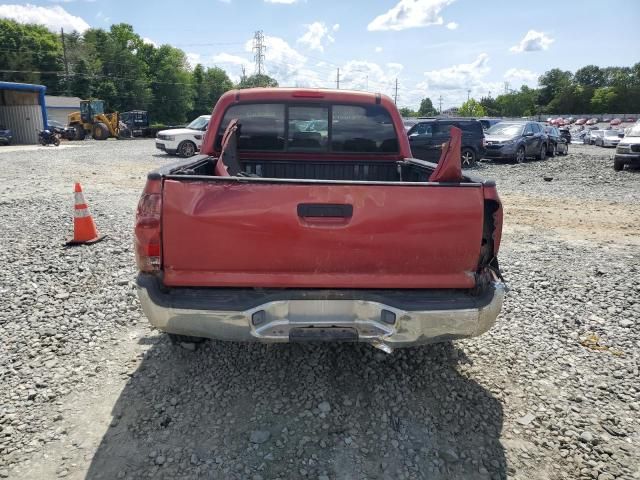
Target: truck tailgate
[(227, 233)]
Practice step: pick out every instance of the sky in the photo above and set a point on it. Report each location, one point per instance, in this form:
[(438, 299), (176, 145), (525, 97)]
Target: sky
[(446, 50)]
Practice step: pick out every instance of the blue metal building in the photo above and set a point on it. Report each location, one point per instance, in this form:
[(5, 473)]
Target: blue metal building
[(23, 110)]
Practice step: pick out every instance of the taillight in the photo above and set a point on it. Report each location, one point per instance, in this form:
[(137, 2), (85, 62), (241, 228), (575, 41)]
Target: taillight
[(147, 231)]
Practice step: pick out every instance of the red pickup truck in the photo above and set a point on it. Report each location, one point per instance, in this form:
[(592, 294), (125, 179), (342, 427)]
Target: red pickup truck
[(306, 218)]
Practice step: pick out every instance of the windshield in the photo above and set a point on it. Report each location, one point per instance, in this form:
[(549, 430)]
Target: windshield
[(634, 131), (505, 129), (200, 123)]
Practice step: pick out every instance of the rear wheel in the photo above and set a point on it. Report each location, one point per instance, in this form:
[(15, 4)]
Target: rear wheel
[(56, 141), (553, 151), (78, 133), (100, 131), (186, 149), (520, 155), (618, 166), (468, 157), (543, 152)]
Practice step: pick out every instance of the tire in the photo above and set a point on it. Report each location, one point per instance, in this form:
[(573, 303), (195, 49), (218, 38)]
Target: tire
[(554, 150), (79, 131), (618, 166), (43, 142), (56, 141), (543, 152), (180, 339), (186, 149), (100, 131), (520, 154), (468, 157)]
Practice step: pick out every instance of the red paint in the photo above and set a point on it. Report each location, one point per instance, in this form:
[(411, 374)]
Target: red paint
[(449, 167), (226, 233), (220, 232)]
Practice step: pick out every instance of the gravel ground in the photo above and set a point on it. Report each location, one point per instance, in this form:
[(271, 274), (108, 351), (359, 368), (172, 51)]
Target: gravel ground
[(91, 391)]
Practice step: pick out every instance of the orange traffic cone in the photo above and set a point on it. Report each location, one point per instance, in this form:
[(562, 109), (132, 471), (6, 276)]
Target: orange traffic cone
[(84, 228)]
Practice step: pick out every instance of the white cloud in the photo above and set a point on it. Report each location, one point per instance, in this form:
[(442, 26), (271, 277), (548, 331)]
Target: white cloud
[(410, 14), (230, 59), (364, 75), (454, 83), (378, 49), (452, 25), (522, 76), (317, 36), (148, 41), (533, 41), (458, 76), (194, 58), (336, 27), (54, 17)]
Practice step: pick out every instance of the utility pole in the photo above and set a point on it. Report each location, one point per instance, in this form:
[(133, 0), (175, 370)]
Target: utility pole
[(66, 63), (259, 48), (395, 95), (489, 94), (440, 100), (506, 87), (367, 83), (244, 73), (468, 93), (338, 79)]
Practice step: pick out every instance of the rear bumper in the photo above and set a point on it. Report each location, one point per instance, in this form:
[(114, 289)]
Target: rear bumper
[(392, 319)]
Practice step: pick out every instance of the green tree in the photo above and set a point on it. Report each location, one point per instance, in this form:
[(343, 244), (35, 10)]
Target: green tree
[(408, 112), (472, 108), (257, 80), (490, 106), (590, 76), (604, 99), (552, 83), (171, 85), (426, 108), (31, 54)]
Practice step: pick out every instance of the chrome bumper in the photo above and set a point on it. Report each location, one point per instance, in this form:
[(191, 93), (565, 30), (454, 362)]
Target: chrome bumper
[(330, 320)]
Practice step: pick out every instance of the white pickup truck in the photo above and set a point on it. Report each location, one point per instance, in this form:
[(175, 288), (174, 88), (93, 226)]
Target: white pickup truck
[(185, 142)]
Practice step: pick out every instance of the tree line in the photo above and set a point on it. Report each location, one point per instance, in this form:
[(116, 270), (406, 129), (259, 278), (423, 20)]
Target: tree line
[(590, 90), (116, 66), (119, 67)]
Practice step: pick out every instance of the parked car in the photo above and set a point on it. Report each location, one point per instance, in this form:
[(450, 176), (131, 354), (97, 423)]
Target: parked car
[(6, 135), (61, 129), (591, 121), (609, 138), (594, 135), (628, 150), (556, 144), (566, 134), (581, 121), (427, 136), (276, 246), (184, 142), (409, 122), (487, 123), (516, 141), (615, 121)]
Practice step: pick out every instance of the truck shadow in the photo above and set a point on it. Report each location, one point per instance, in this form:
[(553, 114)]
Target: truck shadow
[(294, 411)]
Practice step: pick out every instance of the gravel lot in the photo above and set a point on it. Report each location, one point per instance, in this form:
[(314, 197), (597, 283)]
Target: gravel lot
[(91, 391)]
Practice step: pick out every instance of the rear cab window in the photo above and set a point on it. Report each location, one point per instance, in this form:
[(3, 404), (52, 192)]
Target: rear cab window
[(312, 128)]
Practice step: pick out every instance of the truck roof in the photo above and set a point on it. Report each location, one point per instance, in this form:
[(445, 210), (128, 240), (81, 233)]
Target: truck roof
[(307, 96), (318, 94)]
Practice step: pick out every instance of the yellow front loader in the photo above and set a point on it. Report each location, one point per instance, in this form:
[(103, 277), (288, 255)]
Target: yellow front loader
[(91, 120)]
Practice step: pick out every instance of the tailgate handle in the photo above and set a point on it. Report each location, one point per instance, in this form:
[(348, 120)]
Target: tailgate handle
[(330, 210)]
